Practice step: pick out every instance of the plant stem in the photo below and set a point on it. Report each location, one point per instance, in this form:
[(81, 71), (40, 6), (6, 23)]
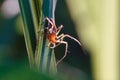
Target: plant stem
[(26, 31), (44, 59)]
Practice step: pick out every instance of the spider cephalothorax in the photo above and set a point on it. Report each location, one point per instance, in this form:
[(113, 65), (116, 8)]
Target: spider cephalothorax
[(52, 34)]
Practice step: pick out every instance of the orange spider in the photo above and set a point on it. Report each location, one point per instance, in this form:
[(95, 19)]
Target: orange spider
[(52, 34)]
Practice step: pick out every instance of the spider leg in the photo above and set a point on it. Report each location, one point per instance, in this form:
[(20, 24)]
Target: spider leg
[(46, 18), (59, 29), (60, 36), (57, 44), (49, 45), (53, 26), (51, 22), (63, 42), (66, 35), (54, 45)]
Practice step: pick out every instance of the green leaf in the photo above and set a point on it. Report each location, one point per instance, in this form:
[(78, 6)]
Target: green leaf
[(41, 58), (28, 23), (45, 58)]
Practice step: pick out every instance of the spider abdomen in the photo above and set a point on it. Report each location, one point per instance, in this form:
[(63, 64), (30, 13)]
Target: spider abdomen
[(52, 38)]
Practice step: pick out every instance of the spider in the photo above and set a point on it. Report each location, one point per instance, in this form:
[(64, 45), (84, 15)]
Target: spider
[(54, 39)]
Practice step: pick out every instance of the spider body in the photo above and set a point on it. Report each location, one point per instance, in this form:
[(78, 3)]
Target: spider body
[(54, 39)]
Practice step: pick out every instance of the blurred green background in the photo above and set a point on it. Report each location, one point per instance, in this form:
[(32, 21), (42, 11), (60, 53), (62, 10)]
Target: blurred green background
[(13, 55)]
